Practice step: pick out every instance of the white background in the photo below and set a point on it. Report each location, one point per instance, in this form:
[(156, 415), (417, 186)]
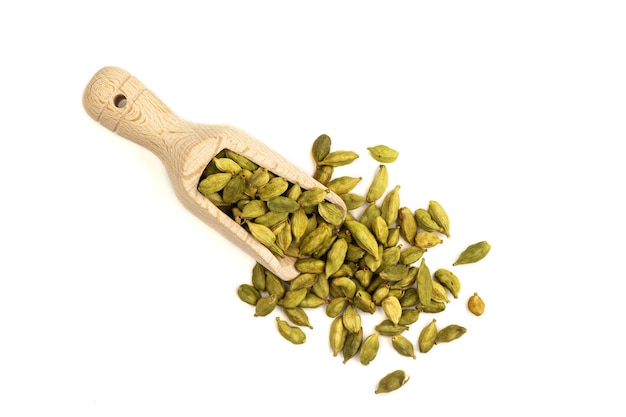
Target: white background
[(116, 301)]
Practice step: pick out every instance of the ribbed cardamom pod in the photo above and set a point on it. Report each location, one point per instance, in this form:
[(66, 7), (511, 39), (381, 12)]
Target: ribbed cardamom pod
[(379, 184), (312, 197), (337, 335), (426, 240), (439, 293), (241, 160), (409, 298), (314, 240), (299, 222), (351, 319), (407, 223), (449, 280), (343, 185), (369, 349), (427, 337), (392, 381), (261, 233), (409, 316), (275, 187), (321, 147), (293, 298), (352, 345), (390, 205), (364, 276), (352, 201), (321, 288), (259, 178), (248, 294), (383, 153), (476, 305), (298, 316), (271, 218), (323, 173), (311, 265), (403, 346), (424, 283), (371, 211), (312, 300), (440, 216), (303, 281), (258, 277), (473, 253), (282, 204), (265, 305), (392, 308), (338, 158), (394, 273), (331, 213), (346, 284), (363, 301), (450, 333), (411, 255), (336, 256), (388, 328), (274, 285), (214, 183), (380, 229), (254, 209), (294, 334), (394, 236), (425, 221), (335, 306), (233, 191), (363, 237), (227, 165), (380, 294)]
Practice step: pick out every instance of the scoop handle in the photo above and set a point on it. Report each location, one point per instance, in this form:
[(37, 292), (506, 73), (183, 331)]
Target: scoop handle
[(122, 104)]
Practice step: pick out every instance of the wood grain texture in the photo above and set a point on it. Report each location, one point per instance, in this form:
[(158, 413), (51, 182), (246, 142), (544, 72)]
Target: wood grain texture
[(122, 104)]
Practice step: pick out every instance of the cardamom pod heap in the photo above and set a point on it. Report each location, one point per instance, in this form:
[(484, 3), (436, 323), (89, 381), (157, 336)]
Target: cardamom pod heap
[(370, 260)]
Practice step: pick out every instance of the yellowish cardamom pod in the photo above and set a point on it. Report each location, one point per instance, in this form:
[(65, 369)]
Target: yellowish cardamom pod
[(476, 305), (338, 158), (337, 335), (383, 153), (426, 240), (392, 308), (369, 349), (363, 237), (427, 337), (440, 216), (449, 280), (403, 346), (379, 185), (294, 334), (450, 333)]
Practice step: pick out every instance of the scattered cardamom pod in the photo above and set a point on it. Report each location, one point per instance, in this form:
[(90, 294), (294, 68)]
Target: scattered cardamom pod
[(476, 305), (392, 381)]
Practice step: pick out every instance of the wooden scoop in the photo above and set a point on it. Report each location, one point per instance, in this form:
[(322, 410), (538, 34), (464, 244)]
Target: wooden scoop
[(122, 104)]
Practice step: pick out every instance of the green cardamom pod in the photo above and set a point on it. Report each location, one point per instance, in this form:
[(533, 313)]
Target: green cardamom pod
[(392, 381), (425, 221), (407, 223), (424, 283), (363, 237), (476, 305), (410, 298), (271, 218), (380, 229), (265, 305), (439, 293), (409, 316), (310, 265), (351, 319), (293, 298), (450, 333), (392, 308), (369, 349), (233, 191), (363, 301), (214, 183), (426, 240), (274, 285), (411, 255), (331, 213), (352, 345), (336, 256), (323, 173), (227, 165), (449, 280), (299, 222), (258, 277), (259, 178), (282, 204), (347, 285), (388, 328), (440, 216), (343, 185), (379, 184), (312, 300), (338, 158), (427, 337), (352, 201), (393, 273), (390, 205), (303, 281), (294, 334), (248, 294), (241, 160), (371, 211), (254, 209), (321, 147), (403, 346), (473, 253), (394, 236), (335, 306), (298, 316), (312, 197), (315, 239), (275, 187), (383, 153), (337, 335), (364, 276), (261, 233)]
